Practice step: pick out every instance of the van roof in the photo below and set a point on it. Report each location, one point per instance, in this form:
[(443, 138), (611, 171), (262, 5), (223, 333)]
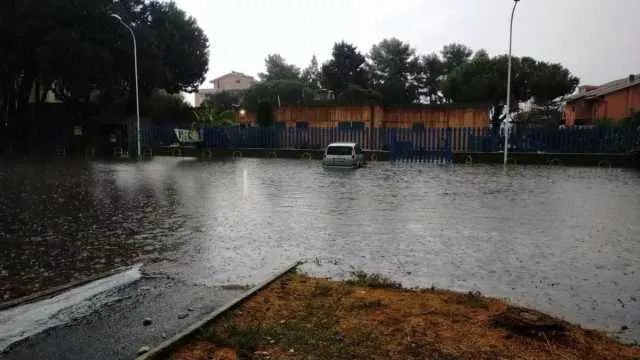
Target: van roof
[(351, 144)]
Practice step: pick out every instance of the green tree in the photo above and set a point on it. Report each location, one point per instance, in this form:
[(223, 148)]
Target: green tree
[(484, 80), (85, 56), (455, 55), (428, 78), (170, 108), (226, 100), (481, 54), (208, 115), (311, 75), (264, 114), (357, 95), (278, 69), (481, 80), (393, 68), (182, 46), (550, 82), (277, 92), (345, 68)]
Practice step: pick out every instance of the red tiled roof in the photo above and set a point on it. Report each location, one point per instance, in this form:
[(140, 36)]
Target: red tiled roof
[(608, 88)]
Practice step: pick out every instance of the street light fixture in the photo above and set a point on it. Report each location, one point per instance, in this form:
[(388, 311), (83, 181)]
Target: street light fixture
[(507, 119), (135, 70)]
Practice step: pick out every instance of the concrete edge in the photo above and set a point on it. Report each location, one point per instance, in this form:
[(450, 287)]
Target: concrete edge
[(162, 350), (58, 289)]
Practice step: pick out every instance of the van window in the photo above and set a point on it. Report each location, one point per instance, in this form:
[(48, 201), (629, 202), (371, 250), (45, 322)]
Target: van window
[(339, 150)]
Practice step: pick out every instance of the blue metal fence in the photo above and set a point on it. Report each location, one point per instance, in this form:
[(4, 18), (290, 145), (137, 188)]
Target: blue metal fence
[(414, 144), (570, 140)]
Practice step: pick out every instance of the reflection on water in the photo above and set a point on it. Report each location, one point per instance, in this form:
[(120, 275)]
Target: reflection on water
[(565, 240)]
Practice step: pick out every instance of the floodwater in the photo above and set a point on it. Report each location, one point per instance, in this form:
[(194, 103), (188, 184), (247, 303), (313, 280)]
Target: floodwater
[(562, 240)]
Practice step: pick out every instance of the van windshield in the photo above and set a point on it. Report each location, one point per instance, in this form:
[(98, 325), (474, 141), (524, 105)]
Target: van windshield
[(339, 150)]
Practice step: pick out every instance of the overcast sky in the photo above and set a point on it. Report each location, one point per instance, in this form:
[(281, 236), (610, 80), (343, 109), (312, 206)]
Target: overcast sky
[(598, 40)]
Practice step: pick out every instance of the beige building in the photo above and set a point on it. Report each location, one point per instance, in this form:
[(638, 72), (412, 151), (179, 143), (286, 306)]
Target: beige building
[(233, 81)]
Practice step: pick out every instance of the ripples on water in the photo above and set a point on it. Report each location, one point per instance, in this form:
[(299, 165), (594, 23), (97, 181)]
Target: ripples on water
[(564, 240)]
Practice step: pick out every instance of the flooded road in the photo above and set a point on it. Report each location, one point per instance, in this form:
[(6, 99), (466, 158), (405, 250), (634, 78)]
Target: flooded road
[(563, 240)]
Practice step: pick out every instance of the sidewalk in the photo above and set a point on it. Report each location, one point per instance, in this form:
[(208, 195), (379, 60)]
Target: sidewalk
[(117, 330)]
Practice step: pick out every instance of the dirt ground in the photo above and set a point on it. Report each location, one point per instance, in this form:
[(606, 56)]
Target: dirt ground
[(371, 317)]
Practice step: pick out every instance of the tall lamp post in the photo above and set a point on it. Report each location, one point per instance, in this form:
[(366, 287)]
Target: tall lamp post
[(135, 70), (507, 119)]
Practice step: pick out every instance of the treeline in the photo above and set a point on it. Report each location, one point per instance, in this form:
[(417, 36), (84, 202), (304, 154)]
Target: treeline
[(393, 73), (79, 55)]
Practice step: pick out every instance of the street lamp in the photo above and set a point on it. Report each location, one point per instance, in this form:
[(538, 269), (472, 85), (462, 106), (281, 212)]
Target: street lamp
[(507, 119), (135, 70)]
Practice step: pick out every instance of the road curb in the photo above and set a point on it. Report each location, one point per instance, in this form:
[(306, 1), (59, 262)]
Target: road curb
[(165, 348), (58, 289)]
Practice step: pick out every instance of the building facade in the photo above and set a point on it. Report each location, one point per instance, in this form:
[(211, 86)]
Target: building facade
[(614, 101), (233, 81), (371, 116)]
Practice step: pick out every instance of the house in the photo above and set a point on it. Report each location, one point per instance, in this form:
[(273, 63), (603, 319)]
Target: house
[(614, 100), (233, 81)]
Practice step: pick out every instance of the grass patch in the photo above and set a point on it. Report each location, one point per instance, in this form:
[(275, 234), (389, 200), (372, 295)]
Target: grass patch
[(244, 340), (367, 304), (321, 290), (315, 331), (300, 317), (375, 281), (473, 299)]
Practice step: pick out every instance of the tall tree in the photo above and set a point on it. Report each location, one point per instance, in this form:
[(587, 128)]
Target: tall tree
[(481, 54), (208, 115), (277, 92), (356, 95), (430, 73), (311, 75), (264, 114), (454, 55), (484, 79), (278, 69), (182, 45), (225, 100), (393, 68), (550, 82), (169, 108), (345, 68), (85, 56)]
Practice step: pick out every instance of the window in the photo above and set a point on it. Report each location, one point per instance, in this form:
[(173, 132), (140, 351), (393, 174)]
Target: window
[(303, 125), (237, 81), (358, 150), (339, 150)]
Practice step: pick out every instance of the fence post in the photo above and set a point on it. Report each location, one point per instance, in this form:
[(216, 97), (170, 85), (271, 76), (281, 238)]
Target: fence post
[(390, 134)]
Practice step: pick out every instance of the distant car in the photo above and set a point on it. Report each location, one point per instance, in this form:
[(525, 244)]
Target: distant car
[(343, 155)]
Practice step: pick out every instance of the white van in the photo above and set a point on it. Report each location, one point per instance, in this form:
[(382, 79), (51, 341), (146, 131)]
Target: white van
[(343, 155)]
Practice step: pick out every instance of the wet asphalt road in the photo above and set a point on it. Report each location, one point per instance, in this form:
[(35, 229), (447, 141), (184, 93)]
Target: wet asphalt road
[(562, 240), (116, 330)]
